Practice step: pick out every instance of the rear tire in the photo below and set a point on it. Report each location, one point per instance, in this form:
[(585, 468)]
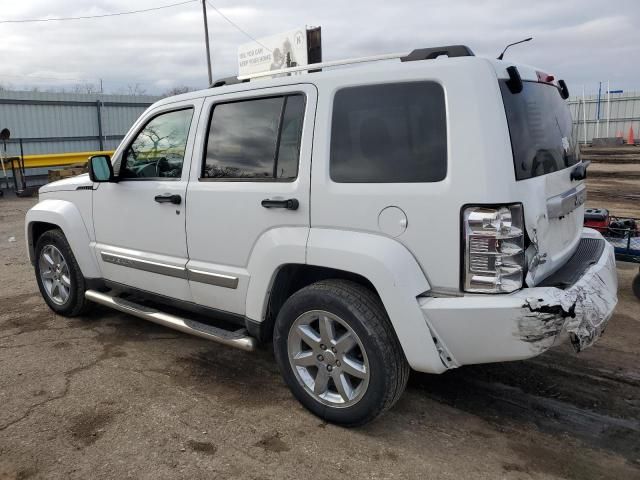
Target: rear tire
[(338, 352), (59, 277)]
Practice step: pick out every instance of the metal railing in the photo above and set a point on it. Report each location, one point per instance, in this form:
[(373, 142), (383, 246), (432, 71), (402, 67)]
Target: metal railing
[(626, 242), (60, 159)]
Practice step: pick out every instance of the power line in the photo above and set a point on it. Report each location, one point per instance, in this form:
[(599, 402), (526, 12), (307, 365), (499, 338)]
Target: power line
[(40, 77), (236, 25), (131, 12)]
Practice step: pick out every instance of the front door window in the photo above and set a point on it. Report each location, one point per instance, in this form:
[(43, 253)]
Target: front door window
[(158, 149)]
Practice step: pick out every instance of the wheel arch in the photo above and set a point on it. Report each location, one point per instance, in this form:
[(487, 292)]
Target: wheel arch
[(63, 215), (287, 280), (378, 262), (34, 232)]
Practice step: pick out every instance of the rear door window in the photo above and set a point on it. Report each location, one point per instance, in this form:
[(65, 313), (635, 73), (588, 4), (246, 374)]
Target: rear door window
[(389, 133), (540, 126), (257, 139)]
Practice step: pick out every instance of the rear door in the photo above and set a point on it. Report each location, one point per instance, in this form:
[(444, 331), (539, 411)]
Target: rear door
[(250, 182), (544, 155)]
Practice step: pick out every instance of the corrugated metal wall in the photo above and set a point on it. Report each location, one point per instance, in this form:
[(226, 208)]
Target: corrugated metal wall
[(625, 113), (66, 122)]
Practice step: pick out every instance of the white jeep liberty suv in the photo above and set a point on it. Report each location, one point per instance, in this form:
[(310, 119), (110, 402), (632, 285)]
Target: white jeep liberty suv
[(416, 212)]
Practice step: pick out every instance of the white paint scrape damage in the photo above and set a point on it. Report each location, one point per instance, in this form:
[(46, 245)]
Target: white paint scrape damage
[(582, 311)]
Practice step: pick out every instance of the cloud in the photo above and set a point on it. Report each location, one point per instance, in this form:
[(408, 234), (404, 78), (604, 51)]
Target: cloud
[(581, 41)]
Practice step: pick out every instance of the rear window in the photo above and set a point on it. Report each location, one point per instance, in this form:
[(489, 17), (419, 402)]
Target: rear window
[(389, 133), (541, 130)]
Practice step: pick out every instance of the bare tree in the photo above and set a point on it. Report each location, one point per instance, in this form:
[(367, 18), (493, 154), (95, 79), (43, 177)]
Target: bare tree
[(85, 87), (177, 90), (136, 89)]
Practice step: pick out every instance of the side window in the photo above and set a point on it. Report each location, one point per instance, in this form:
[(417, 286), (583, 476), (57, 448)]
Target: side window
[(389, 133), (255, 139), (158, 150), (291, 130)]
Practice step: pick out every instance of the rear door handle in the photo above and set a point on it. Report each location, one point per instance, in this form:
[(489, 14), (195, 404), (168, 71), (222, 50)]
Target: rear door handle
[(289, 204), (168, 198)]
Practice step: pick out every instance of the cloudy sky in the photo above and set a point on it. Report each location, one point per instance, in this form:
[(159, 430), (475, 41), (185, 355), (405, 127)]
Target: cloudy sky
[(583, 41)]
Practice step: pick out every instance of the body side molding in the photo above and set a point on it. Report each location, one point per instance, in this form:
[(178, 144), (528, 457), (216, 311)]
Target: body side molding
[(219, 280)]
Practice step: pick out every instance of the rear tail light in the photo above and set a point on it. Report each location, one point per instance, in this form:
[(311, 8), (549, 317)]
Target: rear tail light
[(493, 254)]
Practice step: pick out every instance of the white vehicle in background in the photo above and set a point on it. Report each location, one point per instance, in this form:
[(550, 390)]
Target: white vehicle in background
[(411, 213)]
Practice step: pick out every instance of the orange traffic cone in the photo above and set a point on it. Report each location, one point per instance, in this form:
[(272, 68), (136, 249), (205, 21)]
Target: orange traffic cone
[(619, 134), (631, 139)]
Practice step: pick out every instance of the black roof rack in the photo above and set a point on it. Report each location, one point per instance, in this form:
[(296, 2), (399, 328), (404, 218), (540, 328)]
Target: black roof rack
[(221, 82), (434, 52)]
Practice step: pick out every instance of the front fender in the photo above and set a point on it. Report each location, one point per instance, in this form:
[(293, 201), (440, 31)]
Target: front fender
[(67, 217), (397, 277)]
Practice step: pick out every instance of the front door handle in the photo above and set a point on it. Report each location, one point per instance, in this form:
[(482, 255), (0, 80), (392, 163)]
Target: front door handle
[(168, 198), (289, 204)]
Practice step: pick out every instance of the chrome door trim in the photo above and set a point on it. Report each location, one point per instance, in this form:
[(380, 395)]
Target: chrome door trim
[(146, 265), (217, 279), (200, 276)]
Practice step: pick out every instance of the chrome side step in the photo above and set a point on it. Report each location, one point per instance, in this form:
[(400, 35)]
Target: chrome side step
[(238, 339)]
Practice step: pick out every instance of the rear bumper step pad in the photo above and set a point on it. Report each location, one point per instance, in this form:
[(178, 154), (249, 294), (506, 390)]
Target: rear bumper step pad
[(588, 253)]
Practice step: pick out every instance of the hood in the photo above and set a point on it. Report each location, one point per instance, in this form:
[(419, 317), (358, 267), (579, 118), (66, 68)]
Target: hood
[(67, 184)]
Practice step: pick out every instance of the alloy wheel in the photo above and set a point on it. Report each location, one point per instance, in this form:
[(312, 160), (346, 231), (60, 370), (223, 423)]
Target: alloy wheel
[(54, 274), (328, 359)]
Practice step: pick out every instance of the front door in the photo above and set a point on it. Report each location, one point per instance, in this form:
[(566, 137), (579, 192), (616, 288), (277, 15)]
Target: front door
[(249, 188), (140, 221)]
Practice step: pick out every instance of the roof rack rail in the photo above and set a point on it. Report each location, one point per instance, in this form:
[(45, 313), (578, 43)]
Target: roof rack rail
[(415, 55), (226, 81), (432, 53), (315, 66)]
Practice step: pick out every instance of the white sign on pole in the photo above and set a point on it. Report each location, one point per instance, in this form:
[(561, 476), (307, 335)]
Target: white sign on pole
[(284, 50)]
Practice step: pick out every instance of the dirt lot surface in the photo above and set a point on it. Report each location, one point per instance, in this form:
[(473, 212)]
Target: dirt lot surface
[(618, 194), (111, 396), (613, 179)]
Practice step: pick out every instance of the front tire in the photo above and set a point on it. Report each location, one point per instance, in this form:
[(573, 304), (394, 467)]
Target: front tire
[(338, 353), (58, 275)]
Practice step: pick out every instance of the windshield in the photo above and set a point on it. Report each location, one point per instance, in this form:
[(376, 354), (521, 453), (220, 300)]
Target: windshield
[(541, 130)]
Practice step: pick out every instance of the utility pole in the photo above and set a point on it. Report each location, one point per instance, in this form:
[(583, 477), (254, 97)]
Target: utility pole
[(206, 40), (608, 106)]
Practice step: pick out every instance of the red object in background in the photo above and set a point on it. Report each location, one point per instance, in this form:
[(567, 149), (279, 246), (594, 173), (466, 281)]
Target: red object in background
[(598, 219)]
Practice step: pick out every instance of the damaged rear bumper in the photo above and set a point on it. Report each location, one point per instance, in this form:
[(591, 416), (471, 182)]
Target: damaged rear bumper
[(494, 328)]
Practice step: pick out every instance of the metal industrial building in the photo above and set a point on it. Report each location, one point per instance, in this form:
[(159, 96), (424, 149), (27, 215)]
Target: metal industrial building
[(623, 113), (66, 122), (54, 123)]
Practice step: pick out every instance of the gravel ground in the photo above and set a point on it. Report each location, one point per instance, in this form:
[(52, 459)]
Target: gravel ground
[(111, 396)]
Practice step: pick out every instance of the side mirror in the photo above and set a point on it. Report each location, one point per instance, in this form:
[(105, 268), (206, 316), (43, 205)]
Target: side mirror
[(100, 168)]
